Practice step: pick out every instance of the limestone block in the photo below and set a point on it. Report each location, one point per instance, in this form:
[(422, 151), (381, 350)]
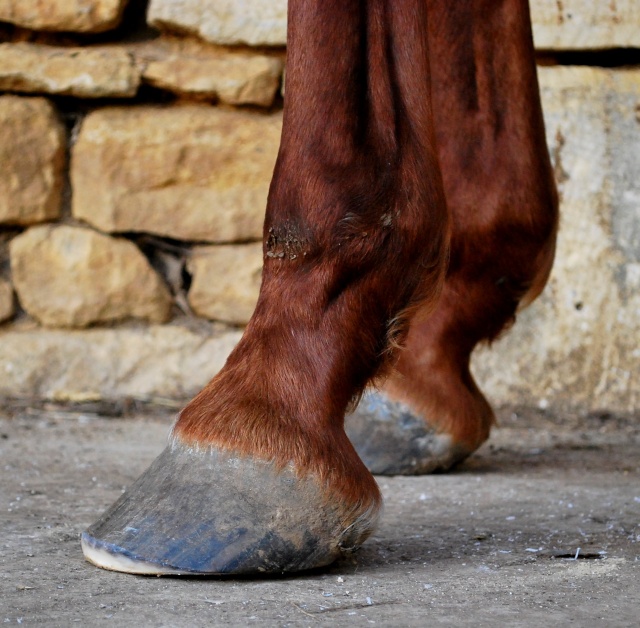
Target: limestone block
[(579, 344), (7, 306), (585, 24), (165, 361), (226, 281), (196, 69), (73, 277), (189, 172), (63, 15), (231, 22), (32, 145), (95, 72)]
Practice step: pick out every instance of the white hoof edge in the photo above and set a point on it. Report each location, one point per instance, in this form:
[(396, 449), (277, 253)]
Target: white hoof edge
[(106, 560)]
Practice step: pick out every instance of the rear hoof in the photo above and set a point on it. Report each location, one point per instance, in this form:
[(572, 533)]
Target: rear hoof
[(392, 440), (206, 512)]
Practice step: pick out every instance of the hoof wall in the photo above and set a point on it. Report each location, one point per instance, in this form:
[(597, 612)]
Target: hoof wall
[(392, 440), (205, 512)]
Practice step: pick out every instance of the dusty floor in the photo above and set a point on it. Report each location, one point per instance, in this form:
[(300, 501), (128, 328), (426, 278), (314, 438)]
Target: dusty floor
[(491, 544)]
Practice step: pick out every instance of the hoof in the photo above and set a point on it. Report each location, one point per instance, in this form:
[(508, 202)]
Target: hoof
[(392, 440), (206, 512)]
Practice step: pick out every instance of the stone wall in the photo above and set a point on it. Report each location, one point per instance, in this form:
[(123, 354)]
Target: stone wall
[(137, 140)]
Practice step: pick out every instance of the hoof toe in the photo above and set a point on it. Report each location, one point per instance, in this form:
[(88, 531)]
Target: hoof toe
[(205, 512), (392, 440)]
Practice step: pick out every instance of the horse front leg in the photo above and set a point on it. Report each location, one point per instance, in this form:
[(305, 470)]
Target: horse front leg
[(260, 476)]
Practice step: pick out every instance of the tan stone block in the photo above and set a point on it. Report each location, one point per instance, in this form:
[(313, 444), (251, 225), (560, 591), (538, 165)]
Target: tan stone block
[(226, 281), (578, 345), (7, 305), (230, 22), (73, 277), (189, 172), (165, 361), (585, 24), (193, 68), (63, 15), (32, 145), (94, 72)]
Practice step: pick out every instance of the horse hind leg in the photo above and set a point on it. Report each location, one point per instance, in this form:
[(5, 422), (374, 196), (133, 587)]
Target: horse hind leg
[(429, 414)]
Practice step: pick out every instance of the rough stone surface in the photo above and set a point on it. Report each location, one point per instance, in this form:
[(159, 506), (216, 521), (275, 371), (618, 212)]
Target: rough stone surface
[(150, 363), (576, 346), (568, 24), (32, 157), (83, 72), (253, 22), (192, 68), (7, 304), (226, 281), (63, 15), (190, 172), (579, 343), (73, 277), (585, 24)]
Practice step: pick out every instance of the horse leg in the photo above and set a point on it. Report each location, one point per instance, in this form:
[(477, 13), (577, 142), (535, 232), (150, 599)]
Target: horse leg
[(430, 414), (260, 476)]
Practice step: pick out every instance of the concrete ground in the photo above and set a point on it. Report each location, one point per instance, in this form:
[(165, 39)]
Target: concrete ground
[(494, 543)]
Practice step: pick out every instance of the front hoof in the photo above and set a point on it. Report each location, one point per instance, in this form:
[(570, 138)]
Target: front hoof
[(208, 512), (392, 440)]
